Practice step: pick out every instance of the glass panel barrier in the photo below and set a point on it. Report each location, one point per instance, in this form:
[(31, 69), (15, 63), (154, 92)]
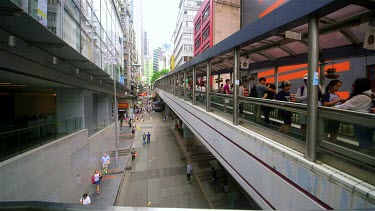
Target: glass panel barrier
[(16, 142), (189, 96), (222, 105), (200, 99)]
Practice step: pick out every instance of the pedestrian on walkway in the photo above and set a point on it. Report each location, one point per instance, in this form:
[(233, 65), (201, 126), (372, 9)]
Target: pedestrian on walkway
[(133, 153), (144, 138), (130, 122), (85, 200), (148, 137), (105, 161), (189, 169), (165, 118), (97, 178)]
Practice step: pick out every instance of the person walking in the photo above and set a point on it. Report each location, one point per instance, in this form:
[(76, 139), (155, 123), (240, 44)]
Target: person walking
[(189, 170), (260, 92), (85, 200), (226, 91), (97, 178), (148, 138), (133, 153), (130, 122), (105, 161), (266, 109), (144, 136), (284, 95), (331, 99), (361, 100), (133, 131), (241, 93)]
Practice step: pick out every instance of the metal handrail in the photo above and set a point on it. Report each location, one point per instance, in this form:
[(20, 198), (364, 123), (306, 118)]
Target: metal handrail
[(36, 126)]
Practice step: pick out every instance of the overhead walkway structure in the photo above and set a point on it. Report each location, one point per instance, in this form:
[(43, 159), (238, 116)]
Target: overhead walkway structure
[(283, 171)]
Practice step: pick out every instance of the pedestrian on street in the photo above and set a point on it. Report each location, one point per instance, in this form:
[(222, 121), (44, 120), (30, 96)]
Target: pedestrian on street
[(144, 138), (85, 200), (105, 161), (189, 169), (130, 122), (148, 137), (150, 118), (97, 178), (133, 131), (133, 153)]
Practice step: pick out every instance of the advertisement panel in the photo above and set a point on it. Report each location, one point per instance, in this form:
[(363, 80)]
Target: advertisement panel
[(42, 12)]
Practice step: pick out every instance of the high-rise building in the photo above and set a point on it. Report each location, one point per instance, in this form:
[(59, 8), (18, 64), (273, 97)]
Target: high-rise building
[(183, 35), (155, 58), (149, 71), (138, 22), (215, 21), (145, 44), (130, 52)]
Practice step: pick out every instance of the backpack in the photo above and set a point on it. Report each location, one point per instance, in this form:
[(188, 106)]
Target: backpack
[(302, 90), (93, 179), (372, 96), (253, 92)]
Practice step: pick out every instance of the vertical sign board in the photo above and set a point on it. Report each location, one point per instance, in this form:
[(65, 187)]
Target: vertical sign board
[(42, 12)]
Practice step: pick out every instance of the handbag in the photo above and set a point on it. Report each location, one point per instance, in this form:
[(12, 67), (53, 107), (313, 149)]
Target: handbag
[(93, 179), (108, 162)]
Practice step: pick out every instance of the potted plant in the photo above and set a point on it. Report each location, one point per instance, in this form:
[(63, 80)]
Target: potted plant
[(331, 73)]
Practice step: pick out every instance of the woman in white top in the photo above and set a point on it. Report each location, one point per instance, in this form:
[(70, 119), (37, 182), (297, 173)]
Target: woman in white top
[(85, 199), (97, 180), (361, 100)]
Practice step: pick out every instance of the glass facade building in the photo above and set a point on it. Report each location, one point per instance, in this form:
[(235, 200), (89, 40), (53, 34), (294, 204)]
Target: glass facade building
[(91, 27)]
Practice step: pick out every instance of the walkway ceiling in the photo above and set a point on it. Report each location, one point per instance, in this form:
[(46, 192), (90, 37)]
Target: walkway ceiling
[(342, 28), (35, 40)]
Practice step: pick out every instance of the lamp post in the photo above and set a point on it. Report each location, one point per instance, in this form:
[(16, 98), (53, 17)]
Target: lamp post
[(115, 106)]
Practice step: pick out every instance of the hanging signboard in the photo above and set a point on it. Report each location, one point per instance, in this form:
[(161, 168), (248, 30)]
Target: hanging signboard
[(42, 12)]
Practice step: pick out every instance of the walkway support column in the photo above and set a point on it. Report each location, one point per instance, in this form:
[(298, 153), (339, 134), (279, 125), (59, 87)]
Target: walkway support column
[(276, 75), (208, 87), (194, 84), (115, 111), (321, 73), (312, 89), (178, 84), (185, 85), (174, 84), (236, 70)]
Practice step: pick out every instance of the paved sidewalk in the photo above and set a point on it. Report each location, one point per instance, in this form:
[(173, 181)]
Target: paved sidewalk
[(158, 175), (111, 181)]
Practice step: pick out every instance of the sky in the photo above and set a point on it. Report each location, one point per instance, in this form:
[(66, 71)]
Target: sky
[(159, 19)]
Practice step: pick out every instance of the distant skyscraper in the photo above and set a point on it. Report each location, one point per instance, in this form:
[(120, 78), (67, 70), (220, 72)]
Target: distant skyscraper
[(155, 57), (145, 44), (183, 35)]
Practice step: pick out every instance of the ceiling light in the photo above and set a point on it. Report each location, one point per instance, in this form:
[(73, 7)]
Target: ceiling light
[(91, 77), (4, 83), (77, 71), (11, 85), (54, 60), (12, 41), (101, 81)]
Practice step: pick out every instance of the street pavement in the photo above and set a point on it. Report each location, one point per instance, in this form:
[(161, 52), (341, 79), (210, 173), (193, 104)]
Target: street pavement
[(158, 174), (111, 181)]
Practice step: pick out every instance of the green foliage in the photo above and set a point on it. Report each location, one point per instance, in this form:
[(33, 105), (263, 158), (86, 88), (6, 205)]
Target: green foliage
[(158, 74)]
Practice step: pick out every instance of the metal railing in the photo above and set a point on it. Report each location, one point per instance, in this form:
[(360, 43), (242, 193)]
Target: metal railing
[(15, 142), (342, 142)]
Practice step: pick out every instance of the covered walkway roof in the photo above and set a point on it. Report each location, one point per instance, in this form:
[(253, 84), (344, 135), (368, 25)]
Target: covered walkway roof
[(342, 28)]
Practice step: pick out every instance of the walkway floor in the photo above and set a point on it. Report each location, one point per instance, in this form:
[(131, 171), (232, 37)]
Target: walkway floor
[(158, 175)]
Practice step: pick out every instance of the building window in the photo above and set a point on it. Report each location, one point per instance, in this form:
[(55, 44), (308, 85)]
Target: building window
[(206, 33), (197, 43), (206, 13), (198, 25), (185, 12)]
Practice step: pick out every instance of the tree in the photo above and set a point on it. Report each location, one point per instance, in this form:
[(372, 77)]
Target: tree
[(158, 74)]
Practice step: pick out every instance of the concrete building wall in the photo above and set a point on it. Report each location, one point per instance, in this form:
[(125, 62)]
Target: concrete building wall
[(104, 108), (275, 176), (88, 121), (64, 178), (226, 20)]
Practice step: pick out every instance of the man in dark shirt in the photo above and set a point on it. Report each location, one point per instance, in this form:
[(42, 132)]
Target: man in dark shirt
[(284, 95), (266, 109)]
